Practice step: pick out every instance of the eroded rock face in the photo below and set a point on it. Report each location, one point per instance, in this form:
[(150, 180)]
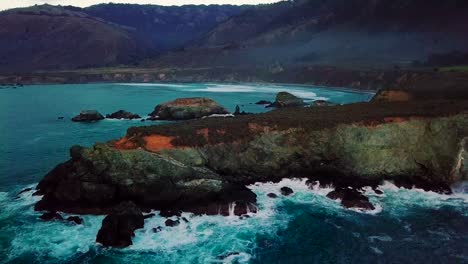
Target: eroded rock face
[(187, 108), (122, 114), (88, 116), (118, 227), (285, 99)]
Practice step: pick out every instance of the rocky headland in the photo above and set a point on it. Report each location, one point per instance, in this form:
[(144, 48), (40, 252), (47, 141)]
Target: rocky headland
[(202, 166)]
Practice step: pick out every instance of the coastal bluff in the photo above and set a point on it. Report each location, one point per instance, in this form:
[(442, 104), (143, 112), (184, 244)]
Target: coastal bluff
[(202, 165)]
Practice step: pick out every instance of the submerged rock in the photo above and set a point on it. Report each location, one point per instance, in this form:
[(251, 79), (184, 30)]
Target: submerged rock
[(286, 191), (75, 219), (272, 195), (88, 116), (351, 198), (49, 216), (118, 227), (285, 99), (122, 114), (187, 108)]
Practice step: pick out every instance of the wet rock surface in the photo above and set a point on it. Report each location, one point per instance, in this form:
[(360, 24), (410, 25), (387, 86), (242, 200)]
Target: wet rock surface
[(88, 116), (49, 216), (118, 227), (172, 223), (122, 114), (351, 198), (286, 191)]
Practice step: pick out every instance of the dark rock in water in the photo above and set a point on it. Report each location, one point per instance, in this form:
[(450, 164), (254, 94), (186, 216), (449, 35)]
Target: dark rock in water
[(272, 195), (75, 219), (148, 215), (428, 186), (351, 198), (377, 191), (286, 191), (170, 213), (185, 219), (143, 120), (321, 103), (171, 223), (88, 116), (25, 190), (187, 108), (60, 117), (49, 216), (157, 229), (122, 114), (118, 227), (263, 102), (285, 99)]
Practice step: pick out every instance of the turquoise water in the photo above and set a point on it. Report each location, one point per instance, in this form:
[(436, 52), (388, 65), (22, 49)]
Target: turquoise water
[(407, 226)]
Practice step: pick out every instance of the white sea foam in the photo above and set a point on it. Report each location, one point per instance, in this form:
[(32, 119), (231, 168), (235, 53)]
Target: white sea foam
[(218, 115)]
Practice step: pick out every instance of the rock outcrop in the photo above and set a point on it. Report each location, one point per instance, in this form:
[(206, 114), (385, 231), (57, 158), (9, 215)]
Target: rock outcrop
[(122, 114), (118, 227), (88, 116), (187, 108), (285, 99)]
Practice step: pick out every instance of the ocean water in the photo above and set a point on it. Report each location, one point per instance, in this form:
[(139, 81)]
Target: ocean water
[(408, 226)]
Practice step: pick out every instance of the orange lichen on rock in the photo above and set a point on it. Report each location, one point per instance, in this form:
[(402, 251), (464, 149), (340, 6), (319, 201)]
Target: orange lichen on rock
[(156, 143), (124, 143)]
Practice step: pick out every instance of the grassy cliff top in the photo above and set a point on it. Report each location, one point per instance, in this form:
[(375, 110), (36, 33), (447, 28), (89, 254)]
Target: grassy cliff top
[(195, 132)]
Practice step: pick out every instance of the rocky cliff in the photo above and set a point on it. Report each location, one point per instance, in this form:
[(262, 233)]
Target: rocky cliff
[(203, 165)]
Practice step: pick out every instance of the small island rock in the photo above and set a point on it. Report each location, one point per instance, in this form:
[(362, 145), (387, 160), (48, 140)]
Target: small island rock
[(122, 114), (285, 99), (187, 108), (88, 116)]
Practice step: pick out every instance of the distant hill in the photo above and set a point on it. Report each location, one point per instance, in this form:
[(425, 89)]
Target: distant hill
[(166, 27), (334, 32), (50, 37)]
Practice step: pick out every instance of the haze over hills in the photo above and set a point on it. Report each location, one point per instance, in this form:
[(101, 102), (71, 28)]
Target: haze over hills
[(379, 33)]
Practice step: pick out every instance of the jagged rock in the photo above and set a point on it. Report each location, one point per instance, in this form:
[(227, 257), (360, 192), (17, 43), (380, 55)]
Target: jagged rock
[(187, 108), (88, 116), (121, 114), (49, 216), (75, 219), (351, 198), (60, 117), (171, 223), (285, 99), (118, 227), (286, 191)]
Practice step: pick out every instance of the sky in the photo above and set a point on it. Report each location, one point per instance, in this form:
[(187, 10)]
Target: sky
[(7, 4)]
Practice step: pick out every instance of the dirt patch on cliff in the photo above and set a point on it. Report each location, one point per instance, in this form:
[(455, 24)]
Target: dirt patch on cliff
[(155, 143), (201, 132)]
